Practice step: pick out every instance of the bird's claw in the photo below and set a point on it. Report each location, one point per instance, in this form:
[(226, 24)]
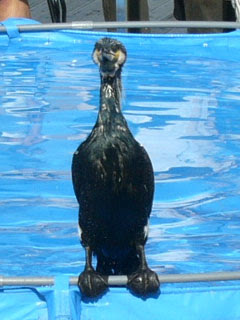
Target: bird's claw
[(92, 284), (143, 282)]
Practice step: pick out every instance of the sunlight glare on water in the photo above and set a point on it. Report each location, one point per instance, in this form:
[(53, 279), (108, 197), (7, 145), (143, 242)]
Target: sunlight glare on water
[(184, 110)]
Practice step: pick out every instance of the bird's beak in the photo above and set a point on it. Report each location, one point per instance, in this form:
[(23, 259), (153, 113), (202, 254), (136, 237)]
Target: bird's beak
[(108, 55), (108, 61), (101, 56)]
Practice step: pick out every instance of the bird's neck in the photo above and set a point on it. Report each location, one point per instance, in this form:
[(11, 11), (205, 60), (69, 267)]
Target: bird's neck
[(110, 118), (110, 96)]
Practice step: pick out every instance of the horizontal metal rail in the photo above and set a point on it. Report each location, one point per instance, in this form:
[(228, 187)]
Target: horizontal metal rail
[(90, 25), (122, 280)]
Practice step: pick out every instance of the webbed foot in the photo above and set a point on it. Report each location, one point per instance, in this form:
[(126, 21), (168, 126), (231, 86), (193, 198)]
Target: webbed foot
[(143, 282), (92, 283)]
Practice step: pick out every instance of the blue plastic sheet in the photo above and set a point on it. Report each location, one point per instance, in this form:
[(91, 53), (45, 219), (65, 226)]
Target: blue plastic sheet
[(182, 102)]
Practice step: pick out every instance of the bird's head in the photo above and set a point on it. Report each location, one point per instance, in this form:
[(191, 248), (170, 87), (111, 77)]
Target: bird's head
[(109, 55)]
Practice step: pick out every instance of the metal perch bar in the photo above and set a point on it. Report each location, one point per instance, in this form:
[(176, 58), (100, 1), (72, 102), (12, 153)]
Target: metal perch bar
[(89, 25), (122, 280)]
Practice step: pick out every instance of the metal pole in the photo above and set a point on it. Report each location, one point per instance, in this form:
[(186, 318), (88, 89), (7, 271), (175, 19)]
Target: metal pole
[(90, 25), (122, 280), (182, 278)]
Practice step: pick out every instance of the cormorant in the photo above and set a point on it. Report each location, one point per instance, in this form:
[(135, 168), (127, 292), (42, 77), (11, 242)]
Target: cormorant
[(114, 185)]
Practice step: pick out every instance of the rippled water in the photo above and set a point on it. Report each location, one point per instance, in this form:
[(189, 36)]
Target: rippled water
[(183, 109)]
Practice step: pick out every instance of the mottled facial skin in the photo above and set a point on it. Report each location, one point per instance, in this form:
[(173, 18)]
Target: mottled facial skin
[(109, 55)]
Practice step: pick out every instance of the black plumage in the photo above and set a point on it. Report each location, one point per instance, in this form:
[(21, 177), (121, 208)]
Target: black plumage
[(114, 185)]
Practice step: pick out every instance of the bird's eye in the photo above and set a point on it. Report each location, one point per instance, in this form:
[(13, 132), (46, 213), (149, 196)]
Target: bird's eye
[(114, 49)]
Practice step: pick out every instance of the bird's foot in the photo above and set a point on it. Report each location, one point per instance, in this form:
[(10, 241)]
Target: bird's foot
[(143, 282), (92, 283)]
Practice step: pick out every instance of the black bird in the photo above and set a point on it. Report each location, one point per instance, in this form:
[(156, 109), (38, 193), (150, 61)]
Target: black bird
[(114, 185)]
